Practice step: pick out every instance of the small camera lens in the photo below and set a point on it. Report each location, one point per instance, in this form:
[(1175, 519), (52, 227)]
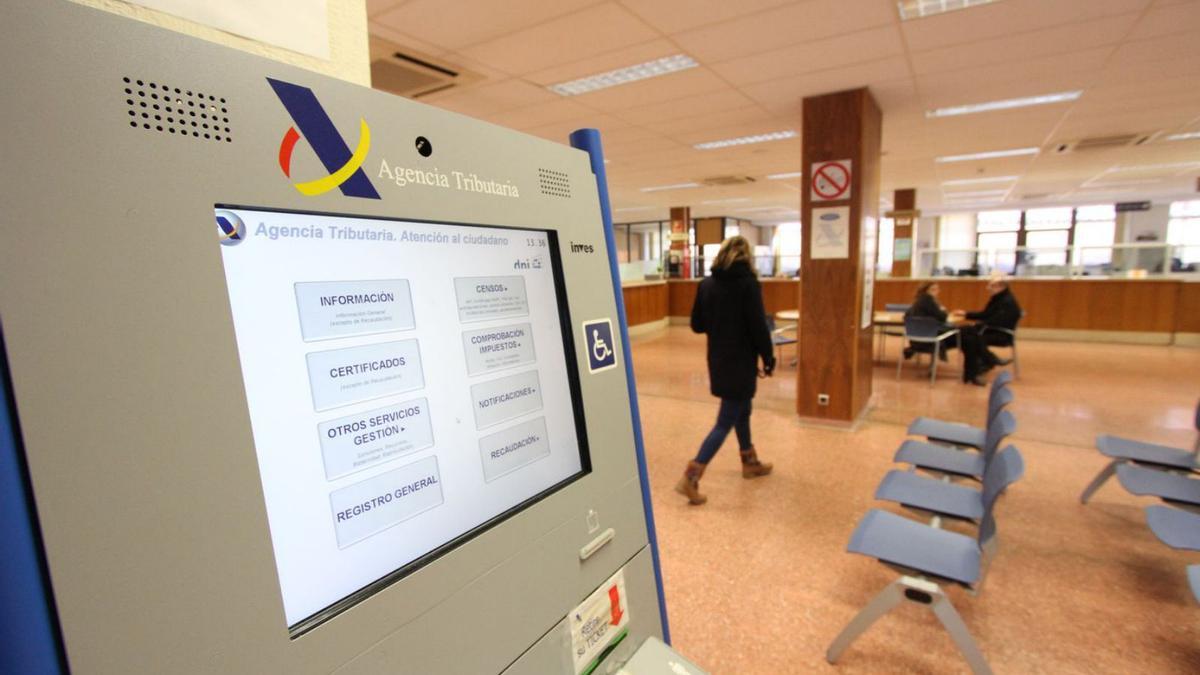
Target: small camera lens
[(424, 147)]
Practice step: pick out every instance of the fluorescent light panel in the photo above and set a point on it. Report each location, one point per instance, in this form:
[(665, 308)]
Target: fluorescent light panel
[(1184, 137), (675, 186), (993, 154), (727, 201), (975, 193), (1005, 104), (612, 78), (919, 9), (785, 176), (979, 181), (746, 140)]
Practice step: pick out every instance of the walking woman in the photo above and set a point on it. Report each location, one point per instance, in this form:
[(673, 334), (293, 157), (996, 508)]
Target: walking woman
[(729, 310)]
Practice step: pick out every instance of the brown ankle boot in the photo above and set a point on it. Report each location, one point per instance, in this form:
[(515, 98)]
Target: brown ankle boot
[(689, 485), (751, 467)]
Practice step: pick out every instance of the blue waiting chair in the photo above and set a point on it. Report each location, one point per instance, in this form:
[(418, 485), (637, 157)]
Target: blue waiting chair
[(1170, 487), (926, 557), (926, 336), (942, 498), (1174, 527), (780, 337), (947, 460), (1180, 530), (1149, 455), (1194, 580), (955, 433)]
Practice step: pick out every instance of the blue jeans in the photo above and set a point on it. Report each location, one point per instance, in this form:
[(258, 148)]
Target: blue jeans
[(733, 414)]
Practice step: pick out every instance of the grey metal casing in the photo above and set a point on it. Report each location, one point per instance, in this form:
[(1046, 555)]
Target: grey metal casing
[(125, 367)]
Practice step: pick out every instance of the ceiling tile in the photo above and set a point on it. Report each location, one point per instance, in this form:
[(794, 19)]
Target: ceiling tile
[(785, 26), (1008, 18), (784, 96), (688, 106), (1025, 46), (404, 40), (471, 21), (860, 47), (673, 16), (1169, 20), (586, 33)]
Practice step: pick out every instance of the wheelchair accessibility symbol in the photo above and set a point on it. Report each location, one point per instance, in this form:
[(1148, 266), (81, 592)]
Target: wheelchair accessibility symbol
[(598, 337)]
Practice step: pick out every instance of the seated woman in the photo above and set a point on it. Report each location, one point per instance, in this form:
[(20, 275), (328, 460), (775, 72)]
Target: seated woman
[(925, 304)]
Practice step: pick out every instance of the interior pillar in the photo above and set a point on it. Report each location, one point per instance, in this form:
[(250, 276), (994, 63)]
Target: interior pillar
[(839, 213)]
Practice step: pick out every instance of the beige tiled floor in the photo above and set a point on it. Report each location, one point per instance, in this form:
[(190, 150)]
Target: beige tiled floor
[(758, 580)]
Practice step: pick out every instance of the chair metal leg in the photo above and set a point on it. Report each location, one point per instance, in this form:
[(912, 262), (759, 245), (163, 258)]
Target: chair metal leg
[(1105, 473), (936, 357), (900, 359), (881, 604), (954, 625)]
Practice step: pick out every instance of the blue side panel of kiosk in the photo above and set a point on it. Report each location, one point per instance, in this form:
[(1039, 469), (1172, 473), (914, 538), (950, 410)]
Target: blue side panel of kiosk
[(29, 636), (588, 140)]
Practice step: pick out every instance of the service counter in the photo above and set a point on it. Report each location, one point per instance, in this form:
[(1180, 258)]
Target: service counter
[(1150, 311)]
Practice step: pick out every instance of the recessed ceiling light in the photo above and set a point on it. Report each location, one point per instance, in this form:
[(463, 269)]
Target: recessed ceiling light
[(785, 176), (975, 193), (612, 78), (675, 186), (1153, 167), (1005, 104), (918, 9), (727, 201), (979, 181), (1184, 137), (746, 140), (993, 154)]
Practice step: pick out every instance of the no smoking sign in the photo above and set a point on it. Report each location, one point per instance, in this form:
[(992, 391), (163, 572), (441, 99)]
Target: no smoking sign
[(831, 180)]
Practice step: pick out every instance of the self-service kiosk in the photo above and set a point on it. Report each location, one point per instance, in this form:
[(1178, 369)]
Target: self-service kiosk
[(301, 377)]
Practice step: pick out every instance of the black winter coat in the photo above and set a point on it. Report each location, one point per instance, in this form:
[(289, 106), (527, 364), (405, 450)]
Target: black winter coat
[(1002, 311), (729, 309)]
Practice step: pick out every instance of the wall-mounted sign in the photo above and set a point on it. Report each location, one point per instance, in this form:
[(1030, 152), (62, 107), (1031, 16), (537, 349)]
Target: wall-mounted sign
[(829, 236), (902, 249), (831, 180)]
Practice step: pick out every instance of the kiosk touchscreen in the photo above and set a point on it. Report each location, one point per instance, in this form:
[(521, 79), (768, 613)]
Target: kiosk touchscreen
[(301, 377)]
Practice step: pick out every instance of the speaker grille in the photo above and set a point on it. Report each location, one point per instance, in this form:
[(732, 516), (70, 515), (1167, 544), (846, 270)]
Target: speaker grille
[(554, 183), (179, 111)]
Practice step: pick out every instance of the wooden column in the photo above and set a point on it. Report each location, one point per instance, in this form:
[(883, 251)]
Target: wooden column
[(835, 342), (678, 264), (904, 216)]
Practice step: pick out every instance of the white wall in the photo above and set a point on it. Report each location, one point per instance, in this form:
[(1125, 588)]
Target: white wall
[(348, 47)]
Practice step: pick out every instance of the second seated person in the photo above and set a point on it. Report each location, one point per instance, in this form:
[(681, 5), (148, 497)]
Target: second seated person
[(925, 304), (729, 310)]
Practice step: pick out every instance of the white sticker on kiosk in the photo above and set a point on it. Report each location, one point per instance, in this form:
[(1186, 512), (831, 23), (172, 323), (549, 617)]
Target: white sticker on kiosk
[(374, 505), (361, 441), (498, 348), (481, 298), (330, 309), (497, 401), (597, 621), (343, 376), (508, 450)]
